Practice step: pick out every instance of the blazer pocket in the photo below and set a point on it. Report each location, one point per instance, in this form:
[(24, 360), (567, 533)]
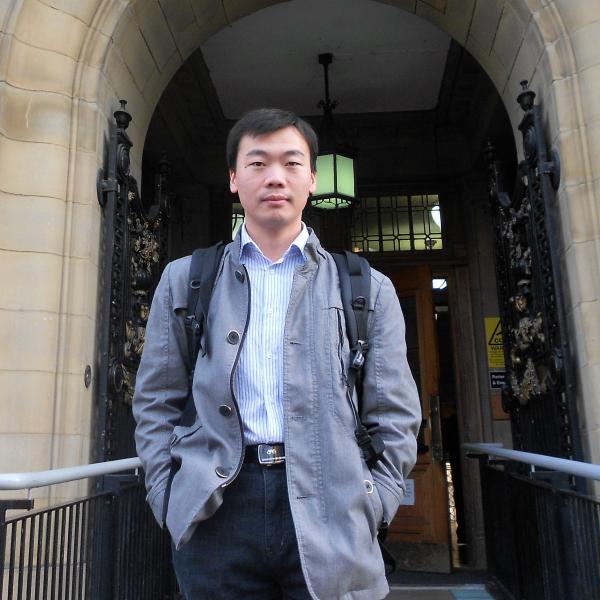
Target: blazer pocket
[(180, 432)]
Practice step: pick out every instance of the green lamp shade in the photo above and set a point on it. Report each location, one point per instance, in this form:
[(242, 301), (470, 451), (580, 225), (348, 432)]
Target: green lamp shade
[(335, 182)]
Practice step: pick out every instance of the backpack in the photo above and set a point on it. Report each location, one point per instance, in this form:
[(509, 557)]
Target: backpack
[(354, 274)]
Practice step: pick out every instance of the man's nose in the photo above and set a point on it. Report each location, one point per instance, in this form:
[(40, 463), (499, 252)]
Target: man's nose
[(275, 175)]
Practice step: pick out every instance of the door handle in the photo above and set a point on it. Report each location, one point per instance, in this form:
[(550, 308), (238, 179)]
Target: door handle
[(437, 447)]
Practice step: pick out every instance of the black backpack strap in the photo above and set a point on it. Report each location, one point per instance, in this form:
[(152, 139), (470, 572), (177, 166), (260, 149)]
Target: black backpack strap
[(203, 272), (355, 287), (360, 284), (341, 262), (354, 275)]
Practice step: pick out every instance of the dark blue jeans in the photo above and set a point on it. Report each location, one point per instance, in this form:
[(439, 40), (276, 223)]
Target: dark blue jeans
[(247, 550)]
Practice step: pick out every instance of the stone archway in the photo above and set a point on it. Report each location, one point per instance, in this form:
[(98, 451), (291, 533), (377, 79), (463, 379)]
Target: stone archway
[(66, 64)]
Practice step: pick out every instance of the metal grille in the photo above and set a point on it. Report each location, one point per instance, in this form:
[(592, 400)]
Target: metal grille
[(105, 547), (397, 223), (48, 553), (142, 551), (542, 541)]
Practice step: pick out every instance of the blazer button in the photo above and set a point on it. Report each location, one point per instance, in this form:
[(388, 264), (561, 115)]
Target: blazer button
[(225, 410), (233, 337), (239, 275), (222, 472)]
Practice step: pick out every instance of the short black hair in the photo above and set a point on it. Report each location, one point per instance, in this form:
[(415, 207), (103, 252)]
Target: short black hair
[(266, 120)]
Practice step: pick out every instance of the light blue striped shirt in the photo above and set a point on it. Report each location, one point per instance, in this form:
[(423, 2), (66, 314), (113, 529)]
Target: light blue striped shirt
[(259, 376)]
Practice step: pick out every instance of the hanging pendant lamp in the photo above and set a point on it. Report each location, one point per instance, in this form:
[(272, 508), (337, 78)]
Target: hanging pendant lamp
[(335, 171)]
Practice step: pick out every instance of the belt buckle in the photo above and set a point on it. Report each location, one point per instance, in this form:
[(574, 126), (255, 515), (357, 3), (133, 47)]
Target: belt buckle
[(270, 454)]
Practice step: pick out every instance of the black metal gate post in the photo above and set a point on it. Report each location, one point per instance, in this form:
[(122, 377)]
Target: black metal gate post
[(107, 192), (543, 174), (134, 251), (539, 392)]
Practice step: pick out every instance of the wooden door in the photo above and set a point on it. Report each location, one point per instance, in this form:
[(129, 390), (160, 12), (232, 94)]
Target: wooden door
[(419, 535)]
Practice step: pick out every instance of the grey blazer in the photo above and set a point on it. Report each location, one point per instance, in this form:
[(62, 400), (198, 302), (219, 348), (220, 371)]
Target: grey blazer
[(335, 507)]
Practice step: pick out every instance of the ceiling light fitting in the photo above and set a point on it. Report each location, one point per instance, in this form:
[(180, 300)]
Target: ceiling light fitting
[(336, 186)]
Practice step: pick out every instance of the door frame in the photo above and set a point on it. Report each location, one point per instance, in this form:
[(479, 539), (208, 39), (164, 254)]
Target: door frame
[(470, 411), (474, 421)]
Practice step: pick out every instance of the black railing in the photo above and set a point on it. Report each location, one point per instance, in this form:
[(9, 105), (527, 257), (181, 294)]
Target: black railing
[(542, 539), (105, 547), (142, 552)]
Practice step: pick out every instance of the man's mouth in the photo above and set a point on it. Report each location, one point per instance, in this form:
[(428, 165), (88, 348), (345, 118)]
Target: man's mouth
[(275, 199)]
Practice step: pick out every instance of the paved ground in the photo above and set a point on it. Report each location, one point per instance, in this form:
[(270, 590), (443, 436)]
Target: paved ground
[(462, 592)]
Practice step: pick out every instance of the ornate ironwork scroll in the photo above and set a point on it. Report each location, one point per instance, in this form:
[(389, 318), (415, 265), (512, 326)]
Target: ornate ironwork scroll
[(539, 391), (133, 253)]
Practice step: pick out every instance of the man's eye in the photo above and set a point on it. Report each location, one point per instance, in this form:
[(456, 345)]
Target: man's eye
[(293, 163), (256, 163)]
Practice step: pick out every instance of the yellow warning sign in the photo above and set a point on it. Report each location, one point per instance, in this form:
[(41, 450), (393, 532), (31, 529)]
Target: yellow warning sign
[(495, 348)]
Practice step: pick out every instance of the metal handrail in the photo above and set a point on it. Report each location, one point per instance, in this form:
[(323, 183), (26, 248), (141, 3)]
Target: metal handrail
[(572, 467), (35, 479)]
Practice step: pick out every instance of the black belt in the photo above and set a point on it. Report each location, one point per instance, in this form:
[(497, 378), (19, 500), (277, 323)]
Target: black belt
[(265, 454)]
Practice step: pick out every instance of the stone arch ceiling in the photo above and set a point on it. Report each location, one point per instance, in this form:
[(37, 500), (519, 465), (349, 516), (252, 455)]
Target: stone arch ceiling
[(487, 29), (385, 59), (387, 62), (190, 23)]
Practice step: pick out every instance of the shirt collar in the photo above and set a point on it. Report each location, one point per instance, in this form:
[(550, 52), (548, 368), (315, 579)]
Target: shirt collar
[(248, 244)]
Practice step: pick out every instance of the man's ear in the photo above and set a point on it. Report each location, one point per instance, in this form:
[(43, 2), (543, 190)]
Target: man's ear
[(232, 182), (313, 182)]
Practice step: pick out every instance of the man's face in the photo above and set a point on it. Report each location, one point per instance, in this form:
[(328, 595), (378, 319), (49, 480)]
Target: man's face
[(273, 179)]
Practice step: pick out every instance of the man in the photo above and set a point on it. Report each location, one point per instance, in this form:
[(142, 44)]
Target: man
[(270, 381)]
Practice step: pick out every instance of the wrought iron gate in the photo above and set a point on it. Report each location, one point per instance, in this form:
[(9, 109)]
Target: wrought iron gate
[(539, 391), (134, 251)]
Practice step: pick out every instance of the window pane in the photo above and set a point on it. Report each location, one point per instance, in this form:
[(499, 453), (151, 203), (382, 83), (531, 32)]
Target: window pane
[(387, 224), (398, 223), (403, 224)]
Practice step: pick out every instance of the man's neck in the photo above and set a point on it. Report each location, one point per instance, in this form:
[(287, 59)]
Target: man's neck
[(274, 242)]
